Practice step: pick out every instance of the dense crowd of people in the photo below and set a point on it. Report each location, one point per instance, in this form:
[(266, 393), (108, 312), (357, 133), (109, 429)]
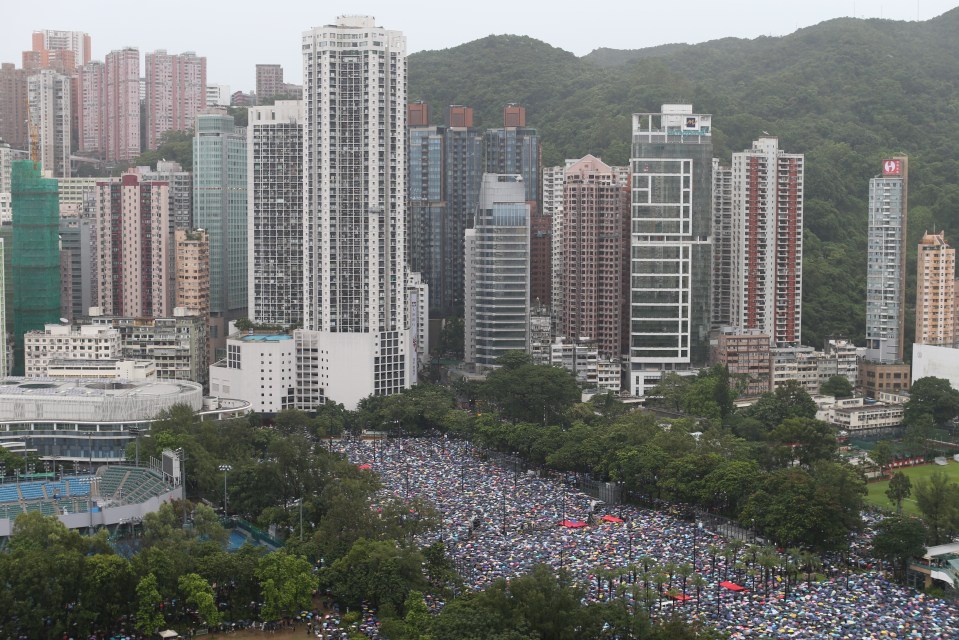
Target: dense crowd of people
[(500, 521)]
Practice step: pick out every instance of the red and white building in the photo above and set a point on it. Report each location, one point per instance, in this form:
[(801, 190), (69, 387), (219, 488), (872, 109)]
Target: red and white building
[(764, 249), (175, 92)]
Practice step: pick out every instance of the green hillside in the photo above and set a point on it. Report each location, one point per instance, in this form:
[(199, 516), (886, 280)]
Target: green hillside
[(847, 93)]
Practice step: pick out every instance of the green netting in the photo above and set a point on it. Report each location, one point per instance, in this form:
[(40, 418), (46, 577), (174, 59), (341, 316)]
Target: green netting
[(35, 258)]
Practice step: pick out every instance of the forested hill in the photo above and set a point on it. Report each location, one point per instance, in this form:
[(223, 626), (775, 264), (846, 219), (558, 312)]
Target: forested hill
[(847, 93)]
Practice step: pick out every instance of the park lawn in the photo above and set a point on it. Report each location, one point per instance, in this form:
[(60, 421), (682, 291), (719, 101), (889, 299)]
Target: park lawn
[(877, 490)]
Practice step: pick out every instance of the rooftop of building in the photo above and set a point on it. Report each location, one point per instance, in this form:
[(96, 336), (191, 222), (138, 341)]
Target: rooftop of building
[(259, 337), (78, 388)]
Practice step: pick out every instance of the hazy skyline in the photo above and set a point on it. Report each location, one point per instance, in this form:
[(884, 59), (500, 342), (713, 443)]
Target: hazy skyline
[(236, 36)]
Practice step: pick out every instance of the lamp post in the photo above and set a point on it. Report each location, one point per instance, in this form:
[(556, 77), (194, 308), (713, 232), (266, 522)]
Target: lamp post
[(225, 468), (136, 433), (696, 529)]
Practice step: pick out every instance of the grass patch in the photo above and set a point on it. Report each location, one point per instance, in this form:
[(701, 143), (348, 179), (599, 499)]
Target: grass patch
[(877, 490)]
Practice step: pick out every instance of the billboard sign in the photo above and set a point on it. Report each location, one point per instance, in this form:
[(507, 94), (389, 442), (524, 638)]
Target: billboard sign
[(892, 167)]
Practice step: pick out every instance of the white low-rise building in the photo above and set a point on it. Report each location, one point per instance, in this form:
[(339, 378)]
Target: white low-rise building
[(63, 341), (940, 362), (108, 369), (258, 368), (856, 415)]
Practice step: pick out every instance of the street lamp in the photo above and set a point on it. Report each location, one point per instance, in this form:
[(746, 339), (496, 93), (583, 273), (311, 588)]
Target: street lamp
[(696, 529), (136, 431), (225, 468)]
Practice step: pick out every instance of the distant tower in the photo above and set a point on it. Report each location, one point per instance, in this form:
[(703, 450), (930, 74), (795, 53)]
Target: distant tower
[(274, 139), (120, 106), (936, 291), (886, 262), (498, 253), (670, 251), (192, 271), (49, 96), (36, 254), (135, 247), (595, 206), (757, 242), (463, 155), (220, 209), (175, 93), (514, 149), (269, 81)]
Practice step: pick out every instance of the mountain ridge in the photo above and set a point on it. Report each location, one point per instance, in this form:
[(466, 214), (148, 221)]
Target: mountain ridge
[(846, 92)]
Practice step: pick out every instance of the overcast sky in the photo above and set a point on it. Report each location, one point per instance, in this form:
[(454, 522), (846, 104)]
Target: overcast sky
[(234, 35)]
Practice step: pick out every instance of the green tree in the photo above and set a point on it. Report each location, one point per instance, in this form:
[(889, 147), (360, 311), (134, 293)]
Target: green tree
[(900, 488), (377, 571), (417, 620), (934, 397), (938, 501), (197, 591), (837, 386), (526, 392), (805, 440), (898, 540), (881, 455), (287, 583), (149, 616)]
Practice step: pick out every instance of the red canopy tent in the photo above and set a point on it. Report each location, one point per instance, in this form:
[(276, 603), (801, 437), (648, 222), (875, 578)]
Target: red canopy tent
[(365, 466), (611, 519), (680, 597), (572, 524), (732, 586)]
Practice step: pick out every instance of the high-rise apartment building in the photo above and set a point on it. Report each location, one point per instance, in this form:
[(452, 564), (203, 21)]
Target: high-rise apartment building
[(49, 42), (120, 106), (49, 99), (78, 285), (553, 194), (498, 288), (670, 251), (181, 190), (427, 213), (514, 149), (13, 105), (757, 242), (35, 259), (274, 138), (269, 81), (175, 93), (886, 262), (6, 169), (463, 175), (723, 246), (595, 205), (89, 100), (355, 211), (192, 251), (220, 209), (218, 95), (134, 247), (936, 291)]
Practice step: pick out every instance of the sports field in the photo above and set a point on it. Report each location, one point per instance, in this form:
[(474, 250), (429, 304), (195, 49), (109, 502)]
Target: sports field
[(877, 490)]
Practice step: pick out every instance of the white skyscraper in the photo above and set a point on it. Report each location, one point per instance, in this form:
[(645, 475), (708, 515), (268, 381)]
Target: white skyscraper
[(354, 182), (49, 103), (886, 262), (274, 138)]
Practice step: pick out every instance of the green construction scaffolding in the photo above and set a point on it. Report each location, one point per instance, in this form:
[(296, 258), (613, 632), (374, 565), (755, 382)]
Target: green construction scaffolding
[(35, 258)]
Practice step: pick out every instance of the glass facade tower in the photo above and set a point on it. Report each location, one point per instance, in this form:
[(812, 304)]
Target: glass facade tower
[(670, 250)]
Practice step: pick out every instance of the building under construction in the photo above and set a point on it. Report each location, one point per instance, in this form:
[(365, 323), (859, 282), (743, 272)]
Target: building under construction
[(35, 258)]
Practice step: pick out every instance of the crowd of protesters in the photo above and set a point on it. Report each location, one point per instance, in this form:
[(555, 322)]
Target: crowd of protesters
[(499, 521)]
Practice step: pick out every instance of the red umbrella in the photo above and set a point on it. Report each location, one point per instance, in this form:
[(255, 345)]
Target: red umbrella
[(572, 524), (365, 466), (611, 519)]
